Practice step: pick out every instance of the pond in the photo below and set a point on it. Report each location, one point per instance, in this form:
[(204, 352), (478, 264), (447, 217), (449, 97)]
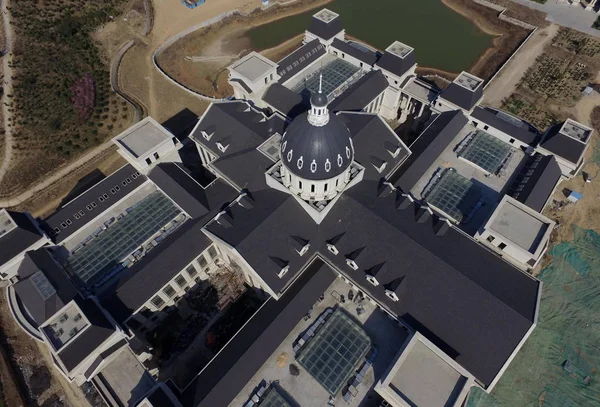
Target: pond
[(442, 38)]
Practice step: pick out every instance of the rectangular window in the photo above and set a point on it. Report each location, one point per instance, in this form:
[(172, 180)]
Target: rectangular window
[(169, 291), (157, 302), (148, 161), (501, 246), (202, 262), (156, 155), (180, 281), (191, 271), (212, 252)]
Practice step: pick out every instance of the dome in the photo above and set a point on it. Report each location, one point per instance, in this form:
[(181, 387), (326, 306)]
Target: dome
[(318, 100), (317, 152)]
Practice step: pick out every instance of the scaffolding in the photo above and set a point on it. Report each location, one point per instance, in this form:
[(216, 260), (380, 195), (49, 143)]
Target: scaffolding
[(557, 366)]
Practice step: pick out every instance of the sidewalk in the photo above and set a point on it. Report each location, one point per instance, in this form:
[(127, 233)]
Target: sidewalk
[(575, 16)]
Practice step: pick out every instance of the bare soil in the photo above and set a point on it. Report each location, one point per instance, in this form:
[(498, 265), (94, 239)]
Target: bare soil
[(44, 204), (38, 381)]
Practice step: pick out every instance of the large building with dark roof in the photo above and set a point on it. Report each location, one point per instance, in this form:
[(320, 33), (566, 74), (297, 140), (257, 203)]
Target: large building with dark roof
[(390, 270)]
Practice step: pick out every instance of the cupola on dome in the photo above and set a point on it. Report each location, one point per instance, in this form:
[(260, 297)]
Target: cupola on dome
[(317, 145)]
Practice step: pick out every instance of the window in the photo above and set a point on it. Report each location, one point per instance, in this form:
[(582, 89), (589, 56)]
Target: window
[(501, 246), (169, 291), (101, 199), (148, 161), (266, 80), (325, 187), (361, 64), (118, 188), (475, 124), (157, 302), (212, 252), (486, 127), (180, 281), (299, 184), (490, 238), (202, 262), (105, 196), (94, 204), (69, 222), (343, 55), (511, 141), (312, 188), (112, 191), (191, 271), (156, 156)]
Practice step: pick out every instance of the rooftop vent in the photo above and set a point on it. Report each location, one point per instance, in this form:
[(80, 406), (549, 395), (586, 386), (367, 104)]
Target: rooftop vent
[(441, 226), (468, 81), (245, 200), (299, 244), (404, 201), (353, 257), (423, 214), (385, 189), (224, 219), (393, 149), (331, 243), (394, 289), (282, 265), (399, 49), (373, 272)]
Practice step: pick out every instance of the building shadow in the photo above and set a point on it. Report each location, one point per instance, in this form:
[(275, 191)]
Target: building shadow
[(181, 124), (83, 184)]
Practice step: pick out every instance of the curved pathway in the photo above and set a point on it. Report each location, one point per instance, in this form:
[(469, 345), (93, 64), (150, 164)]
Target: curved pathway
[(7, 71)]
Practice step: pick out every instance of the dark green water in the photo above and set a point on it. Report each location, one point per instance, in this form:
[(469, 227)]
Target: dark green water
[(441, 37)]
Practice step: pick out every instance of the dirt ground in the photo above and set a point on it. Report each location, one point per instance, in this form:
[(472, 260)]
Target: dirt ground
[(505, 83), (44, 204), (39, 382)]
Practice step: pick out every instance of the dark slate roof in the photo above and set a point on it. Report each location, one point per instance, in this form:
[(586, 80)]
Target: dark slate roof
[(83, 201), (286, 101), (39, 308), (20, 238), (136, 285), (536, 181), (174, 181), (232, 368), (396, 65), (361, 53), (461, 96), (468, 301), (374, 142), (360, 93), (325, 30), (562, 145), (428, 147), (471, 303), (304, 144), (243, 130), (159, 397), (100, 330), (298, 60), (516, 128)]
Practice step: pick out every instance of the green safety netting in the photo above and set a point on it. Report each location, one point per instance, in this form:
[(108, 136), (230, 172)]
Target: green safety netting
[(557, 366)]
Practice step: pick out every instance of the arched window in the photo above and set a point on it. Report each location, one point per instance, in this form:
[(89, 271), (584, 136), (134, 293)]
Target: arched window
[(289, 155), (327, 165), (299, 184), (313, 166), (348, 152), (325, 187), (300, 163), (340, 160), (312, 188)]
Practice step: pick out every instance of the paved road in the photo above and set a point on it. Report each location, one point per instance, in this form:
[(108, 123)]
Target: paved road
[(7, 70), (575, 16)]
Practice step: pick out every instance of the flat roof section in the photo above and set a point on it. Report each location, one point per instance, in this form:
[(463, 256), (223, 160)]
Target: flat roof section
[(468, 81), (385, 334), (145, 137), (253, 66), (65, 326), (519, 226), (6, 223), (399, 49), (576, 130), (325, 15), (422, 376)]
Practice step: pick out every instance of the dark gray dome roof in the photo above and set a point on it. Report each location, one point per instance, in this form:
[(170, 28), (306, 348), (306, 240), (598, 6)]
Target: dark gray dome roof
[(317, 153), (318, 100)]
